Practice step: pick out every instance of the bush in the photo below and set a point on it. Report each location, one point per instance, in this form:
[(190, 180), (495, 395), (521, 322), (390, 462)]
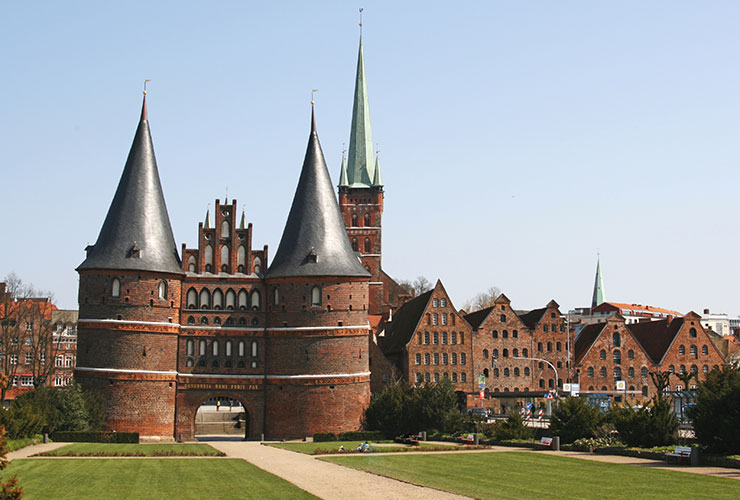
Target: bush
[(574, 419), (324, 436), (590, 444), (360, 436), (716, 416), (95, 437), (404, 409), (512, 428), (653, 425)]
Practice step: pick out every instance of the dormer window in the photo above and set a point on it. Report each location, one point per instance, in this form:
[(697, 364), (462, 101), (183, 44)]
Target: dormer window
[(134, 252), (311, 258)]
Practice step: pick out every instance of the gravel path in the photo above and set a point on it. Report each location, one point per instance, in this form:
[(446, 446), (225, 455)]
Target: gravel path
[(326, 480), (31, 450)]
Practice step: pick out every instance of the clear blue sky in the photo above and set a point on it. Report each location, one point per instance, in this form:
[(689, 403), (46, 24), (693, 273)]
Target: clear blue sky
[(517, 138)]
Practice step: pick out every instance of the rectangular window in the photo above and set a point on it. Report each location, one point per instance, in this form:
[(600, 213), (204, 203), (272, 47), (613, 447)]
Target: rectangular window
[(29, 340), (58, 381), (444, 358), (13, 359), (29, 358), (463, 377), (426, 338), (29, 326), (26, 380), (418, 358), (68, 362), (59, 361)]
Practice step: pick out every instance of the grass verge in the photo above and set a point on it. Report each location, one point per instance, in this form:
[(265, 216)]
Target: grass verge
[(155, 479), (515, 475), (132, 450), (330, 447)]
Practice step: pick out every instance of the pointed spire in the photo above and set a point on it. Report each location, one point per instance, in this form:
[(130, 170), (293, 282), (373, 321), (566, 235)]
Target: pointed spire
[(360, 171), (377, 180), (207, 222), (243, 223), (598, 296), (343, 175), (136, 233), (314, 241)]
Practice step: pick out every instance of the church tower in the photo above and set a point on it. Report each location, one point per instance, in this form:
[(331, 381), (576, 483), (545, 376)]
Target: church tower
[(361, 193), (316, 349), (129, 299), (598, 296)]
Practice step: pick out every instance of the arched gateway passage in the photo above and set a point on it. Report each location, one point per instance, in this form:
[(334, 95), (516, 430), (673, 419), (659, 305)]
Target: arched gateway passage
[(221, 416)]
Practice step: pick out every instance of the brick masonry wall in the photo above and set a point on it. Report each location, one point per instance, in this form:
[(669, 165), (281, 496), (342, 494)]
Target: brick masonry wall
[(189, 401), (698, 339)]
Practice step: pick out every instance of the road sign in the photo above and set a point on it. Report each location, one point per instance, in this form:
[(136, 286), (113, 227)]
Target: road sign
[(621, 385), (549, 395), (566, 387), (482, 394), (481, 387), (575, 389), (481, 379), (604, 404), (529, 406)]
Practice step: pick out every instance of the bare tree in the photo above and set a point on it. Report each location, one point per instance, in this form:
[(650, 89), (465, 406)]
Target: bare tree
[(417, 287), (482, 300), (661, 380)]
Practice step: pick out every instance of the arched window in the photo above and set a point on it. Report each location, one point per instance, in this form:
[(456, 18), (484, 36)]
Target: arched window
[(506, 372), (189, 362), (254, 348), (191, 320), (681, 349), (505, 334), (516, 372), (485, 372), (218, 299), (276, 296), (453, 338), (205, 299), (683, 369), (602, 354), (526, 371), (644, 391), (189, 347), (192, 299), (257, 265), (242, 299), (539, 346), (240, 350), (225, 229), (191, 264), (495, 354), (454, 377), (503, 318), (354, 220), (227, 348), (445, 358), (115, 288), (630, 354), (202, 348), (549, 347), (367, 219), (617, 357), (368, 245), (631, 372), (514, 333), (602, 372), (705, 369), (693, 351), (694, 369), (209, 255), (616, 339), (355, 246), (494, 334), (255, 299), (224, 258), (230, 299), (316, 296), (214, 348), (427, 358), (671, 369), (436, 358), (505, 353), (704, 350), (525, 353), (463, 359), (241, 258), (485, 353), (515, 352), (692, 333), (617, 373), (454, 358), (590, 371), (162, 291)]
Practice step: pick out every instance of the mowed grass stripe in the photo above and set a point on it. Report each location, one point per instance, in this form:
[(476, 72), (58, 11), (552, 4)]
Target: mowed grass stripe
[(151, 479), (515, 475), (147, 449)]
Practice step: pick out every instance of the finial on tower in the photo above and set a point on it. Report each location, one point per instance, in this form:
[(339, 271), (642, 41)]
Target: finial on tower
[(144, 115), (313, 118), (145, 82), (361, 9)]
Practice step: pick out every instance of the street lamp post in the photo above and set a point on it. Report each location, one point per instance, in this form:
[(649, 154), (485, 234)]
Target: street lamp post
[(551, 366)]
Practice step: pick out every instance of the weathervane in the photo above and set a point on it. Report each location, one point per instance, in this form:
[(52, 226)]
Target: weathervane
[(361, 9), (145, 81), (313, 91)]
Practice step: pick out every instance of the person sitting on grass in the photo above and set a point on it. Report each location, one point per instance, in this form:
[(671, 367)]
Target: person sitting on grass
[(341, 448)]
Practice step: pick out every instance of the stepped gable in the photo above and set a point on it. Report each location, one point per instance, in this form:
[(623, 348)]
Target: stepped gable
[(405, 320), (137, 234), (585, 340), (476, 318), (656, 336), (314, 241)]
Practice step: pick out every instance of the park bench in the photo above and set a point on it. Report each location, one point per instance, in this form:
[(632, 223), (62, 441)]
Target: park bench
[(546, 443), (468, 439), (680, 452)]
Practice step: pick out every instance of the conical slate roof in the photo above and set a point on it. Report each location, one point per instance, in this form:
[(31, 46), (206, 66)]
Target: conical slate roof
[(314, 241), (136, 234)]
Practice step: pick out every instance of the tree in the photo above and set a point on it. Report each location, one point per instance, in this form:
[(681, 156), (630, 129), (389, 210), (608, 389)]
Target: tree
[(512, 428), (575, 419), (685, 378), (482, 300), (26, 333), (716, 416), (652, 425), (8, 490), (417, 287), (661, 380)]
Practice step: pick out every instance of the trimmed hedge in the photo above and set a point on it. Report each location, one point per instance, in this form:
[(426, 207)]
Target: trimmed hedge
[(321, 437), (95, 437)]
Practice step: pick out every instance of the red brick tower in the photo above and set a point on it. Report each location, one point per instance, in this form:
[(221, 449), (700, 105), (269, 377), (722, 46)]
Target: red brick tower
[(129, 301), (317, 376), (361, 194)]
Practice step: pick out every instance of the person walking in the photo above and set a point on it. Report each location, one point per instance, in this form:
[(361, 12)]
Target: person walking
[(218, 404)]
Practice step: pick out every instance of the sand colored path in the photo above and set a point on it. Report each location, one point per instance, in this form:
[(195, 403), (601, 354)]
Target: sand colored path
[(326, 480)]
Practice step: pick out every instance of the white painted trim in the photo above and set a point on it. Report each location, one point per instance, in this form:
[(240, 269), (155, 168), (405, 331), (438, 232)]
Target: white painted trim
[(229, 328), (127, 322), (219, 375), (375, 283), (122, 370), (309, 328), (328, 375)]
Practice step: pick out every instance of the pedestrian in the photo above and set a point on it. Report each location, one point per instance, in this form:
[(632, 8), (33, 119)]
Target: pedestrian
[(218, 404)]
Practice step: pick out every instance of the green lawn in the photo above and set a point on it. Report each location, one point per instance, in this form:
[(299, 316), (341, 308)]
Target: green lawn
[(129, 450), (516, 475), (387, 446), (148, 479)]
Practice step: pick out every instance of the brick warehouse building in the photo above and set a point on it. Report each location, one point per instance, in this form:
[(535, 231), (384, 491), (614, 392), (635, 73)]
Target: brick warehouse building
[(289, 339)]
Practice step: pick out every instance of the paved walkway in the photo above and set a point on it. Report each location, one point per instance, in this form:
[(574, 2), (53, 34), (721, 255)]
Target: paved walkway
[(325, 480), (32, 450)]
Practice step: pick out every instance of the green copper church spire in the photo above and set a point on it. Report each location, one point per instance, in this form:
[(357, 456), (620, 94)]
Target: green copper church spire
[(360, 168), (598, 297)]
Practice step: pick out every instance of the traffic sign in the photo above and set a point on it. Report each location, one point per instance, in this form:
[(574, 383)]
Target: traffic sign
[(481, 387), (621, 385), (549, 395), (529, 406), (482, 394), (481, 379), (566, 387)]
